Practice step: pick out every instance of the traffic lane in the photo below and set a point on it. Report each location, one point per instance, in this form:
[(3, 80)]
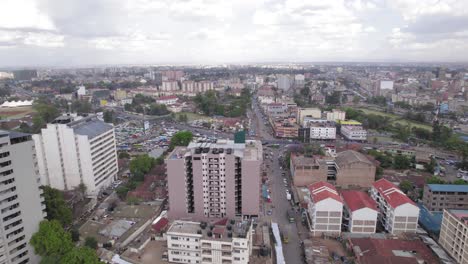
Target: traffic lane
[(291, 250)]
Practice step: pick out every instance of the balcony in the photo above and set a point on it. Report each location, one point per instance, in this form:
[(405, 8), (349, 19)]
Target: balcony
[(226, 247)]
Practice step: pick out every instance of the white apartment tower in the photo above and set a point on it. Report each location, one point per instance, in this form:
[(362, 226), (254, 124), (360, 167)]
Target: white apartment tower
[(21, 202), (74, 150)]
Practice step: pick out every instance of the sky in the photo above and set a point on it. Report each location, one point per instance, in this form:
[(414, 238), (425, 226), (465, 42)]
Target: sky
[(103, 32)]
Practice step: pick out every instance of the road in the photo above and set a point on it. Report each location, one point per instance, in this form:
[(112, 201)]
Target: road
[(279, 206)]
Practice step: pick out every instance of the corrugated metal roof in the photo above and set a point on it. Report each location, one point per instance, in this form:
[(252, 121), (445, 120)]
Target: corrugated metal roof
[(448, 188)]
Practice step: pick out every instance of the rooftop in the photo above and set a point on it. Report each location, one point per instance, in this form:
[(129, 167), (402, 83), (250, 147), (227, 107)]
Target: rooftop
[(250, 150), (371, 250), (351, 156), (356, 200), (223, 230), (350, 122), (462, 215), (392, 194), (448, 188), (322, 190)]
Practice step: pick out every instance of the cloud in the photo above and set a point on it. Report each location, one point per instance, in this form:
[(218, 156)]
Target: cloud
[(206, 31)]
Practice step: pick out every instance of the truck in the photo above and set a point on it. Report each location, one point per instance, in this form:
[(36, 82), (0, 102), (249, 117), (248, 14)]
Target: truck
[(288, 196)]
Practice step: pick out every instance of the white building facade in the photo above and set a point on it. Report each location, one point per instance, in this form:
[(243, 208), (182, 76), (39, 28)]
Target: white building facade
[(71, 151), (325, 209), (397, 212), (360, 212), (21, 201), (355, 133), (188, 242)]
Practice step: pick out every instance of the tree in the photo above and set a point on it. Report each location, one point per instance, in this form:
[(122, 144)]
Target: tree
[(75, 235), (141, 164), (91, 242), (460, 182), (406, 186), (81, 255), (435, 180), (56, 207), (122, 191), (181, 138), (334, 98), (109, 116), (401, 162), (124, 155), (51, 240)]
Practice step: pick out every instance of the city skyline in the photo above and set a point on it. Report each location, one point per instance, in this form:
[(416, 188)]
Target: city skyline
[(52, 33)]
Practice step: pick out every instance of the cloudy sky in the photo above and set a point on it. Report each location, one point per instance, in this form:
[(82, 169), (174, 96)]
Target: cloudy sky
[(96, 32)]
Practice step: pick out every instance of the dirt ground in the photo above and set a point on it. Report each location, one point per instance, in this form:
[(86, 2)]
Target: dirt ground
[(332, 245), (151, 254)]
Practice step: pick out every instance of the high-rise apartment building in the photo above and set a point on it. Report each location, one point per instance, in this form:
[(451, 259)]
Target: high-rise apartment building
[(454, 234), (214, 180), (21, 203), (73, 150)]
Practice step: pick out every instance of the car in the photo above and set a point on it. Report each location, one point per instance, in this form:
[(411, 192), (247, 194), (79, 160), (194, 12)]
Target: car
[(269, 212), (285, 184), (285, 181)]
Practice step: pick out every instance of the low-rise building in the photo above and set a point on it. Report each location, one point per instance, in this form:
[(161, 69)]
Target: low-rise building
[(167, 100), (308, 112), (354, 133), (437, 197), (353, 169), (223, 242), (373, 250), (325, 209), (320, 131), (285, 129), (360, 213), (454, 234), (307, 170), (398, 213), (336, 115)]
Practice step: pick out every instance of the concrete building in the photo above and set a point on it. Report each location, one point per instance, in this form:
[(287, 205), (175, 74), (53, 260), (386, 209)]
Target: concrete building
[(360, 214), (336, 115), (284, 81), (169, 86), (285, 129), (318, 130), (354, 132), (325, 209), (398, 213), (214, 180), (299, 80), (353, 169), (315, 113), (437, 197), (120, 94), (167, 100), (73, 150), (454, 234), (21, 199), (307, 170), (222, 242)]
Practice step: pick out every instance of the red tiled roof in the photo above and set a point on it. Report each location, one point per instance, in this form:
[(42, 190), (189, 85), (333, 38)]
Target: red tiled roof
[(160, 225), (322, 190), (356, 200), (384, 248), (392, 194)]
